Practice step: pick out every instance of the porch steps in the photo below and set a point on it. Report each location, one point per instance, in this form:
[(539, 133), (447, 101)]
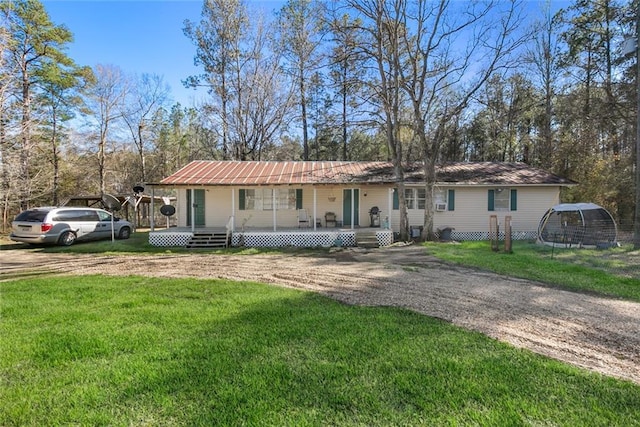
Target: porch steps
[(208, 240), (367, 239)]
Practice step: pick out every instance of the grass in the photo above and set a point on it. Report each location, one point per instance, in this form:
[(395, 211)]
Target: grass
[(92, 350), (614, 272), (138, 244)]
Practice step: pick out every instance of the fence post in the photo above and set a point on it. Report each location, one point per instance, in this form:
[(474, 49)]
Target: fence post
[(494, 232), (507, 234)]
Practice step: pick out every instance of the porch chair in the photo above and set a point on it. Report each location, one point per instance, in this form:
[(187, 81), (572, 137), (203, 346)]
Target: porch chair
[(330, 219), (303, 218)]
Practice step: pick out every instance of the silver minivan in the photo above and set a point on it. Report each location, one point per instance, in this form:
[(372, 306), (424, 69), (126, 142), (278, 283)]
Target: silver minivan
[(66, 225)]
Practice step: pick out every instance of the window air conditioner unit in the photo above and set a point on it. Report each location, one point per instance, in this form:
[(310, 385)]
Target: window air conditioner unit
[(441, 207)]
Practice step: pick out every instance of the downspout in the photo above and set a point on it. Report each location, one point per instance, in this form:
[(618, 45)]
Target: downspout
[(315, 208), (152, 222)]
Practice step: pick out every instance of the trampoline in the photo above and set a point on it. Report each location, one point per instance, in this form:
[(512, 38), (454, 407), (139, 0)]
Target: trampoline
[(578, 225)]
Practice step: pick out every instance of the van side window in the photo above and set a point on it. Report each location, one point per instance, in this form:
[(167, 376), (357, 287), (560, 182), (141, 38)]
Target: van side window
[(89, 216), (104, 216), (68, 216), (76, 215)]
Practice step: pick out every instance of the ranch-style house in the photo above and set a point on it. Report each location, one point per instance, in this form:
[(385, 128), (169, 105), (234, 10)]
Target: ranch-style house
[(324, 203)]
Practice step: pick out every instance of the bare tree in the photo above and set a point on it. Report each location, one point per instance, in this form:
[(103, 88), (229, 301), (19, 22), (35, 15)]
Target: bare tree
[(148, 94), (449, 57), (265, 97), (432, 57), (105, 100), (251, 95), (381, 27)]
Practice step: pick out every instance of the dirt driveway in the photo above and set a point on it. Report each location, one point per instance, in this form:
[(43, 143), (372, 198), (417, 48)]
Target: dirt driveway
[(596, 333)]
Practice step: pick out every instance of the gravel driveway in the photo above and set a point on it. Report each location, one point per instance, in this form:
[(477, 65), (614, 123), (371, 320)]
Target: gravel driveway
[(600, 334)]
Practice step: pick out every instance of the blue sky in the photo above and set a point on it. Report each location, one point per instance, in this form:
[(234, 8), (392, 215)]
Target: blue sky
[(137, 36), (146, 36)]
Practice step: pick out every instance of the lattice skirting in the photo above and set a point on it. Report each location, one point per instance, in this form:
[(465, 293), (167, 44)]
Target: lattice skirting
[(293, 238), (316, 239), (384, 237), (170, 238)]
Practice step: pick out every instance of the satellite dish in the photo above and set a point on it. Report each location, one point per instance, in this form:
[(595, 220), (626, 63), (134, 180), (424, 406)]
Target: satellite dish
[(167, 210), (111, 202), (138, 189)]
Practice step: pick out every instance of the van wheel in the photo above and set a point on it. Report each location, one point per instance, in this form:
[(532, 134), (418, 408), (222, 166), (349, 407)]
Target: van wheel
[(125, 233), (67, 238)]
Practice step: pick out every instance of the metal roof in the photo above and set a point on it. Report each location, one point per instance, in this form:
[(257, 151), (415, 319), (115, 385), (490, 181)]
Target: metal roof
[(255, 173)]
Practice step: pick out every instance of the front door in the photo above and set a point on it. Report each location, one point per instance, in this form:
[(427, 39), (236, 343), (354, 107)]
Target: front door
[(198, 204), (350, 207)]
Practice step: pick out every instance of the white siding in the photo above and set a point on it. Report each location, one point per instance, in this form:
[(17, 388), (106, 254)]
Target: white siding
[(471, 212), (327, 199)]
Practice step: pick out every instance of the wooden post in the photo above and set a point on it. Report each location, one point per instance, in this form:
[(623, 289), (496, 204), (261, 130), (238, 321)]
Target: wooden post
[(507, 234), (494, 232)]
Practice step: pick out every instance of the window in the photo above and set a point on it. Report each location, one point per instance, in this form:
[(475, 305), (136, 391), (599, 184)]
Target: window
[(104, 216), (263, 199), (421, 195), (440, 197), (415, 197), (503, 199), (250, 200), (409, 198), (444, 200), (76, 215)]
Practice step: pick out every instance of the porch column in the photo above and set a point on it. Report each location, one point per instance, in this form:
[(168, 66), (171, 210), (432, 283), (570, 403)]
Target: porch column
[(389, 207), (152, 223), (193, 210), (273, 204), (233, 209), (315, 208), (353, 208)]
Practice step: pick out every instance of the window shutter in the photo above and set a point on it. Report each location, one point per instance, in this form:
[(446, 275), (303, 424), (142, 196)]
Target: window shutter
[(451, 200), (396, 200), (298, 198), (491, 201), (242, 199), (514, 200)]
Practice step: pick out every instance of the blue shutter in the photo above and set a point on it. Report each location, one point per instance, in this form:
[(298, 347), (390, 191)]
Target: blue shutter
[(514, 200), (396, 200), (242, 200), (491, 201), (451, 200)]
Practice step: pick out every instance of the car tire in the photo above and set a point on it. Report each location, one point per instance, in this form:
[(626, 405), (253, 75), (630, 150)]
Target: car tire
[(67, 238), (125, 233)]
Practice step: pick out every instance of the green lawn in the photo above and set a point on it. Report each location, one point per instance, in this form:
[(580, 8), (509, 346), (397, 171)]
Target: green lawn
[(93, 350), (612, 272)]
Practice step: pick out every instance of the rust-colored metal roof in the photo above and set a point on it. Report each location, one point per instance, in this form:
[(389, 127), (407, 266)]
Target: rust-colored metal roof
[(208, 172)]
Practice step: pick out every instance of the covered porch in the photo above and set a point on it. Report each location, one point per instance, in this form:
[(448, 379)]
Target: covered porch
[(278, 216), (262, 237)]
